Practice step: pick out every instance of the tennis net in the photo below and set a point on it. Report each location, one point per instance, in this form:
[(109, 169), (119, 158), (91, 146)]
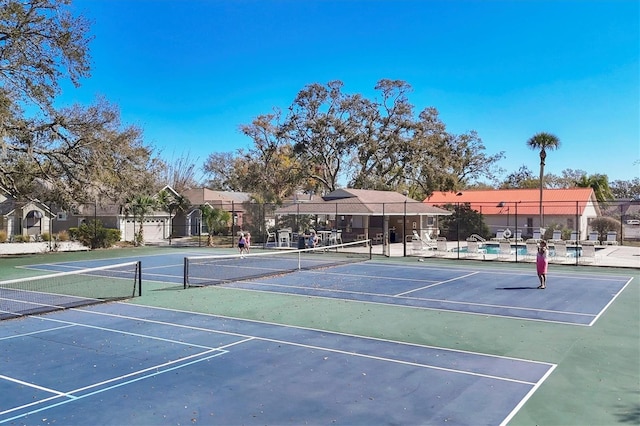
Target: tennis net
[(62, 290), (211, 270)]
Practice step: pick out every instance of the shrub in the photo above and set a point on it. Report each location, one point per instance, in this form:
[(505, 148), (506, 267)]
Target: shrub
[(45, 236), (602, 225), (94, 235), (3, 236), (63, 236)]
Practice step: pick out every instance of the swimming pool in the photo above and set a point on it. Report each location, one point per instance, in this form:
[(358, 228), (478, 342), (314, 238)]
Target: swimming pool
[(494, 248)]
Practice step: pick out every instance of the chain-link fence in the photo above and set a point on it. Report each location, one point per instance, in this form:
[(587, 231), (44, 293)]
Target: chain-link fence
[(382, 223)]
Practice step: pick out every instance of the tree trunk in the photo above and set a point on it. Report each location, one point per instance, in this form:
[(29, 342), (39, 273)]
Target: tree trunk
[(543, 156)]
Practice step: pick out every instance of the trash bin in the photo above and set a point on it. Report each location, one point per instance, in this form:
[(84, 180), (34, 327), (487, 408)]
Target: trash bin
[(301, 242), (392, 235)]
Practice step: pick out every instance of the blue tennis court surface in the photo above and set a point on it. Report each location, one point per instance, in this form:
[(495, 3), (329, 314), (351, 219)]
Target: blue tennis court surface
[(125, 364), (571, 297)]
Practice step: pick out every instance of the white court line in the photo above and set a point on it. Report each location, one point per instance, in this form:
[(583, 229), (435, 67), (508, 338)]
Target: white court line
[(596, 276), (284, 342), (438, 283), (156, 373), (527, 396), (36, 332), (485, 314), (400, 296), (602, 311)]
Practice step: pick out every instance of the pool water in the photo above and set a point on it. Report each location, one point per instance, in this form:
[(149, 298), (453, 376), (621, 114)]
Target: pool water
[(522, 250)]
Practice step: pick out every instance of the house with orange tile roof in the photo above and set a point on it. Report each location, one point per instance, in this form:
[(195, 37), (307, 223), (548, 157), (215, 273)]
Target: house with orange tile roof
[(518, 210)]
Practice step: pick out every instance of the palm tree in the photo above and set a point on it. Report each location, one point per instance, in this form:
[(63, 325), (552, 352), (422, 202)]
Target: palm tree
[(215, 219), (172, 203), (600, 185), (140, 207), (543, 141)]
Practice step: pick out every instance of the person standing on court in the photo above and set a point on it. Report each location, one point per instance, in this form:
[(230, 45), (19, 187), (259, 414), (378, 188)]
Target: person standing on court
[(542, 263), (247, 244), (242, 244)]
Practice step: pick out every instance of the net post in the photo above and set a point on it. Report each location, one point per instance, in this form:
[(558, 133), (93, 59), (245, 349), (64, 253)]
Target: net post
[(185, 273), (370, 250), (139, 276)]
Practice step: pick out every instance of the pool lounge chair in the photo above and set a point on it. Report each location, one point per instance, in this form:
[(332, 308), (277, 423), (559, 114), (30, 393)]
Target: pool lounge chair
[(499, 235), (537, 235), (612, 238), (593, 237), (588, 252), (474, 250), (505, 250), (425, 243), (557, 236), (561, 254), (441, 247), (532, 249)]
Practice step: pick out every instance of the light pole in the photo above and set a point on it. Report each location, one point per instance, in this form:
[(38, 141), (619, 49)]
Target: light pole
[(404, 224)]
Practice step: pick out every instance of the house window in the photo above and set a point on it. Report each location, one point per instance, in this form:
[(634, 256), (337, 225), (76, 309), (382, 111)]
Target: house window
[(61, 216), (570, 223)]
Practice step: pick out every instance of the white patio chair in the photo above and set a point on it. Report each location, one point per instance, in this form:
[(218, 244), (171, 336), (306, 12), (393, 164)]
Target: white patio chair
[(557, 235), (284, 238), (593, 236), (271, 238), (378, 238), (575, 237)]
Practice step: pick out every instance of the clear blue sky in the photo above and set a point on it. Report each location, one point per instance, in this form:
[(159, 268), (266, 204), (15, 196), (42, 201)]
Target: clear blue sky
[(190, 72)]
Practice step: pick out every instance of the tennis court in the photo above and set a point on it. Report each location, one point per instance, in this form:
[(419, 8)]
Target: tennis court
[(125, 364), (370, 342), (577, 298)]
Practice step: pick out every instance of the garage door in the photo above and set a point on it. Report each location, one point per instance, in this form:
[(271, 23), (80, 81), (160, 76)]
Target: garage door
[(154, 229)]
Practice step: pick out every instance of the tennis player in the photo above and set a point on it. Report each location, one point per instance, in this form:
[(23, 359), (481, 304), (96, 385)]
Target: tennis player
[(242, 244), (542, 263)]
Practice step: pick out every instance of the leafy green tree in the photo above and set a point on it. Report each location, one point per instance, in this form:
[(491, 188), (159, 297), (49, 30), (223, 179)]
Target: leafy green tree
[(543, 142), (522, 178), (626, 189), (140, 207), (41, 44), (322, 133), (462, 223), (70, 154)]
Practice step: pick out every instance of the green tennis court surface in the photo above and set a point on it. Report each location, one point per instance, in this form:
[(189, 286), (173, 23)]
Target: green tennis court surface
[(594, 381)]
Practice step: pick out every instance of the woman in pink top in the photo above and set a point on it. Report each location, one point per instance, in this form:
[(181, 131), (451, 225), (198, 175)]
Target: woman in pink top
[(542, 262)]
